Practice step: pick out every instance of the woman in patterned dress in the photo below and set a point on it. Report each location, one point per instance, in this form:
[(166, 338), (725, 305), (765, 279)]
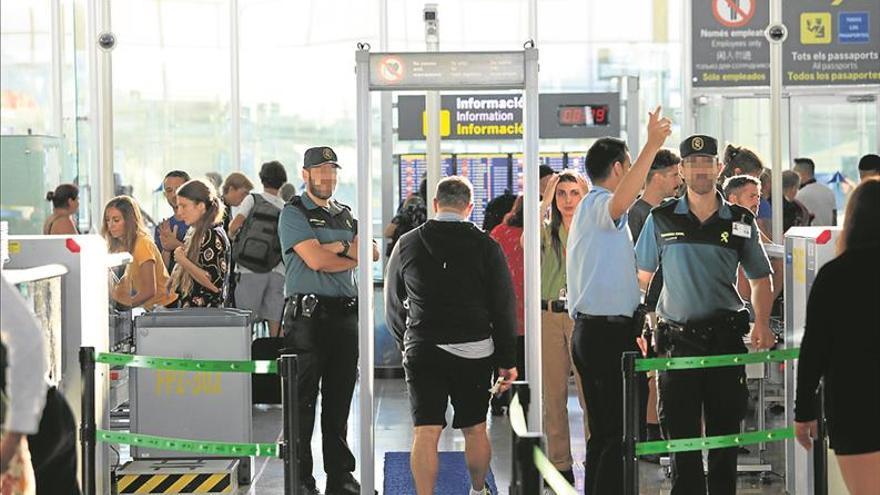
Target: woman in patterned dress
[(201, 275)]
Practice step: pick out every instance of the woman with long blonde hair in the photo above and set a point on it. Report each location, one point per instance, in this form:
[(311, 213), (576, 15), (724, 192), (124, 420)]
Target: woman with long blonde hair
[(201, 273), (842, 322), (145, 279)]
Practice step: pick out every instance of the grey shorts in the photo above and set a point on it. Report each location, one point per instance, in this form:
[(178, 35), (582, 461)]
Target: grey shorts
[(262, 293)]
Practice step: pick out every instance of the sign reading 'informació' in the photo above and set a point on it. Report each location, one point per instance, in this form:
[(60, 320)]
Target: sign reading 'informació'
[(500, 116)]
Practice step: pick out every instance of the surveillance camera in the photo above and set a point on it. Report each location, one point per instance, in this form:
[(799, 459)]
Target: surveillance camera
[(107, 40), (432, 24), (776, 33), (430, 12)]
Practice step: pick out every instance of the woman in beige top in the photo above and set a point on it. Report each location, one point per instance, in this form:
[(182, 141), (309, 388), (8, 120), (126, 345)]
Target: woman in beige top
[(144, 280), (65, 203)]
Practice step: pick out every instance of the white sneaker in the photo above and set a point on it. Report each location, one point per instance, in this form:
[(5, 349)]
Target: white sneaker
[(484, 491)]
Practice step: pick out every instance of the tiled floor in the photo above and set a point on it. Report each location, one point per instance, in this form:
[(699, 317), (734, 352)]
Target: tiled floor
[(394, 433)]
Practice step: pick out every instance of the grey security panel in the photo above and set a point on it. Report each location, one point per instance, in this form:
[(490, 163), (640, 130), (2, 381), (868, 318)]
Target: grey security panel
[(579, 115), (191, 405), (432, 71)]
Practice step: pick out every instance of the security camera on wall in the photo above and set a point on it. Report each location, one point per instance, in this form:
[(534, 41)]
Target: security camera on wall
[(432, 23)]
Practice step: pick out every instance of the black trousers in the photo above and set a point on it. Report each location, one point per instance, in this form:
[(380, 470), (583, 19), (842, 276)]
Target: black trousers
[(597, 347), (54, 448), (687, 398), (326, 345)]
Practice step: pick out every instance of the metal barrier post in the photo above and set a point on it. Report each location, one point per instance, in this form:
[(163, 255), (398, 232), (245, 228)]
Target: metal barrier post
[(87, 419), (518, 389), (630, 424), (820, 448), (530, 480), (289, 400)]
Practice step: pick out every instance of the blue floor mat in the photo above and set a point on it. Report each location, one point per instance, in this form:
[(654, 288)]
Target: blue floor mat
[(452, 479)]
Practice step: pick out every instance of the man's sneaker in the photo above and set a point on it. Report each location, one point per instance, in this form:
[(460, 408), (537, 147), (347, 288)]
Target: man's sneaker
[(343, 484), (484, 491)]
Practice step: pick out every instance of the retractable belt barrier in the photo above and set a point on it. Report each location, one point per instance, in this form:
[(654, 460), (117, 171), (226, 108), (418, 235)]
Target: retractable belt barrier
[(286, 366), (530, 463), (633, 364)]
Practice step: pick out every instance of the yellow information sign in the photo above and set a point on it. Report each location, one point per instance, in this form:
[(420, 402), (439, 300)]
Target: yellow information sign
[(816, 28)]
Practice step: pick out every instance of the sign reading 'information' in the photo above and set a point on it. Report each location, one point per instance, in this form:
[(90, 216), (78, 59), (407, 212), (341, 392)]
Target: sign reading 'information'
[(447, 70)]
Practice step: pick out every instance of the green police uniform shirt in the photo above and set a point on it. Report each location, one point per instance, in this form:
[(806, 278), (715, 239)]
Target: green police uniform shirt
[(310, 221), (700, 260)]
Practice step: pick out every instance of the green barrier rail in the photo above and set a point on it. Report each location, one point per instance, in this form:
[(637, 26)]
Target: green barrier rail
[(552, 477), (195, 446), (178, 364), (686, 363), (541, 464), (709, 443)]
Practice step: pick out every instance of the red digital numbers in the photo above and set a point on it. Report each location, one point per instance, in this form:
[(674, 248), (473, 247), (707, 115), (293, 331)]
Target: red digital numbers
[(576, 115)]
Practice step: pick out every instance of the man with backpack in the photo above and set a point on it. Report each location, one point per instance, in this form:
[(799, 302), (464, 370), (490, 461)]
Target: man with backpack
[(256, 249)]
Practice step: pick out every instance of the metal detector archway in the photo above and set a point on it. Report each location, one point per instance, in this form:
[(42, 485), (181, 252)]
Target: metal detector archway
[(436, 71)]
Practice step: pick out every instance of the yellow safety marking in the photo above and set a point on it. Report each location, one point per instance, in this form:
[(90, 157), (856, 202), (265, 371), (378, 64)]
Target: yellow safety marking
[(181, 483), (155, 480), (228, 488), (123, 482), (210, 483)]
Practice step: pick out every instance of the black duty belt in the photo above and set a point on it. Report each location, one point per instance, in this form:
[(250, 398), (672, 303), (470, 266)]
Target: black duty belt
[(608, 319), (554, 306), (311, 304), (711, 335)]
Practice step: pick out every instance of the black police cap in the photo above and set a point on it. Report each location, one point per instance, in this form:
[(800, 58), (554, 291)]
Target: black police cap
[(319, 155), (698, 144)]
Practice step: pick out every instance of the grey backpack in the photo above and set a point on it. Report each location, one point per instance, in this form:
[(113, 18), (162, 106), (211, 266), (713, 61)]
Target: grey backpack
[(257, 246)]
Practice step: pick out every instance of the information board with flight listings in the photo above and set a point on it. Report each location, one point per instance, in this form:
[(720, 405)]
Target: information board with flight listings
[(490, 175), (413, 168), (557, 161)]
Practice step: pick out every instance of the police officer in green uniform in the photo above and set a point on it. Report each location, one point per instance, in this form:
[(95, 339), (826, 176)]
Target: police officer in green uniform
[(319, 239), (699, 240)]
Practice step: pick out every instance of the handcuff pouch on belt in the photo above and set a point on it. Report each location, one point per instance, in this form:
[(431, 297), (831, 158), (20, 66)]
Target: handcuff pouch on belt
[(703, 337)]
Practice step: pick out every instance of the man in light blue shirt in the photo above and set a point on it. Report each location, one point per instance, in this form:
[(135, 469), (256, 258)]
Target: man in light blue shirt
[(603, 294)]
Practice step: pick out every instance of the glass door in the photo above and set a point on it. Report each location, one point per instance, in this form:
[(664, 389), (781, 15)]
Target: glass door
[(742, 120)]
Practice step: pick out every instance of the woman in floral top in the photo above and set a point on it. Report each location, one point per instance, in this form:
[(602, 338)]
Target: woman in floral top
[(201, 273)]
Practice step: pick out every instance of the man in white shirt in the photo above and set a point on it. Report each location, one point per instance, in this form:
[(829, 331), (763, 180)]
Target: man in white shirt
[(26, 375), (262, 293), (819, 199)]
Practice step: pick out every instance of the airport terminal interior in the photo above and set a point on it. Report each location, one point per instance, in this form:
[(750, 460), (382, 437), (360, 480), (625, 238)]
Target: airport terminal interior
[(186, 331)]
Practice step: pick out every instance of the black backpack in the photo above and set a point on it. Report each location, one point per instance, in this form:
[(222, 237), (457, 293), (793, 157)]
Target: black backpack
[(257, 246)]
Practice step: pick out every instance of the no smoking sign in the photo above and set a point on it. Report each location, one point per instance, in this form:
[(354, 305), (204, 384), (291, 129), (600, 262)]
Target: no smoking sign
[(733, 13)]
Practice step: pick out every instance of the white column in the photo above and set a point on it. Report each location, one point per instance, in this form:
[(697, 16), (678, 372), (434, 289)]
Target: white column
[(365, 272), (776, 122), (531, 245), (234, 93)]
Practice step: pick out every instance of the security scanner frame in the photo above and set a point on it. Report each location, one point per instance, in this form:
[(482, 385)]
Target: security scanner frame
[(435, 71), (806, 250), (84, 320)]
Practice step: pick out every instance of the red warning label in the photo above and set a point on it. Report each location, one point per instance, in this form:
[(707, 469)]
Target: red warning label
[(733, 13)]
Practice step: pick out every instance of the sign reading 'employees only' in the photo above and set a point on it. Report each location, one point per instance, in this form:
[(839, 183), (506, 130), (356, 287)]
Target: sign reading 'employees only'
[(830, 42)]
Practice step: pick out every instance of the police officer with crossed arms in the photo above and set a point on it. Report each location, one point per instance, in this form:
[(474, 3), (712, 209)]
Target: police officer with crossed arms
[(319, 240), (699, 240)]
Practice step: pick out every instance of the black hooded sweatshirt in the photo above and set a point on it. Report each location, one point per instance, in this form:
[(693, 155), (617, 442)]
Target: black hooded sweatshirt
[(448, 283)]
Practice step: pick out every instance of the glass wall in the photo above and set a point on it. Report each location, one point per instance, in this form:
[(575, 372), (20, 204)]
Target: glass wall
[(171, 93)]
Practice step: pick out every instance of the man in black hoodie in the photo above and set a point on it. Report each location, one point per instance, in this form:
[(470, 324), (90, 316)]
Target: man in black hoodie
[(450, 305)]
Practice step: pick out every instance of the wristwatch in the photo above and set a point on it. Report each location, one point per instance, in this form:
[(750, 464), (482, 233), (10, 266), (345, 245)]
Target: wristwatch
[(345, 247)]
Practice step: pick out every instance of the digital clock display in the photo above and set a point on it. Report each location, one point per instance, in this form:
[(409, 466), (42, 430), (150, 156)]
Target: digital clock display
[(582, 115)]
